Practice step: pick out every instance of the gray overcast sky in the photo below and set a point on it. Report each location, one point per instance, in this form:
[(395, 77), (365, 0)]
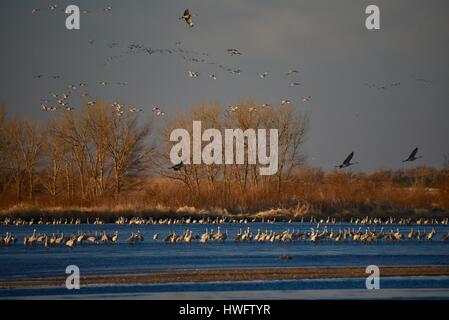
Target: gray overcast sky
[(325, 40)]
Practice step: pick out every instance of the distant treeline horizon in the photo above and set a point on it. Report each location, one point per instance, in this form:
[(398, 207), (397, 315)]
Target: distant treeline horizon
[(94, 157)]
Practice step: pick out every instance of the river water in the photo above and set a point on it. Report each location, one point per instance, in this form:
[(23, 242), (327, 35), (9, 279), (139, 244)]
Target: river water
[(20, 262)]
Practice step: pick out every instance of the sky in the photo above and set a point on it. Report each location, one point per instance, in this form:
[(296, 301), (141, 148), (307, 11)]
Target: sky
[(379, 93)]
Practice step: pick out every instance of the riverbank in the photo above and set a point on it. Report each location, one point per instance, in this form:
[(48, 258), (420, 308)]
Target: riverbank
[(228, 275), (110, 214)]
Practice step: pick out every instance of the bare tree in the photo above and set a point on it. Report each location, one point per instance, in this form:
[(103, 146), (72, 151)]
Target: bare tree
[(126, 146), (292, 126), (30, 141), (12, 159), (53, 161)]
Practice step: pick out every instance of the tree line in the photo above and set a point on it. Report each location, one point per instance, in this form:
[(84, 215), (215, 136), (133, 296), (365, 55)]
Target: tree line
[(94, 154)]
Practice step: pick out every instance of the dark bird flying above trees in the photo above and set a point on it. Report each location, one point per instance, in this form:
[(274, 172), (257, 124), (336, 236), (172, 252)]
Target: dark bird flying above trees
[(178, 166), (347, 161), (412, 156)]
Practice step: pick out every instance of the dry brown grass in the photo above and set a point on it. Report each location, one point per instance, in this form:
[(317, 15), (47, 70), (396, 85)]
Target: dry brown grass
[(418, 192)]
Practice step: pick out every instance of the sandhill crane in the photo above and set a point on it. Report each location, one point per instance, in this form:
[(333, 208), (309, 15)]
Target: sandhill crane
[(411, 234), (412, 156), (188, 236), (71, 242), (178, 166), (193, 74), (80, 238), (104, 237), (205, 237), (233, 52), (445, 237), (430, 234), (232, 108), (58, 240), (347, 161), (306, 99), (187, 17), (114, 237)]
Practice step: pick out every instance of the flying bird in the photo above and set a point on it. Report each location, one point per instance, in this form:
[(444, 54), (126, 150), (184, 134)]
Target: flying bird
[(187, 17), (193, 74), (158, 112), (36, 10), (412, 156), (306, 99), (178, 166), (292, 84), (233, 108), (285, 101), (292, 71), (263, 75), (233, 52), (347, 161), (133, 109)]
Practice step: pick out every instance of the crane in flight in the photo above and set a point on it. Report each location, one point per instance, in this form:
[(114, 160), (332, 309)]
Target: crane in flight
[(412, 156), (187, 17), (178, 166), (347, 161)]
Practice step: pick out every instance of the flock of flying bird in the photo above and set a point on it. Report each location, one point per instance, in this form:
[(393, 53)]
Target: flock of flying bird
[(60, 101), (54, 7), (347, 162)]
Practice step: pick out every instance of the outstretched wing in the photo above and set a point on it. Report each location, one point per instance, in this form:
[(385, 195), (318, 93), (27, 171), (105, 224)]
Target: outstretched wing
[(348, 158), (413, 154)]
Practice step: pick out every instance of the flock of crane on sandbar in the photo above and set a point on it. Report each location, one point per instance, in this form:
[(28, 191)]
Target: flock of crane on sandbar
[(223, 220), (316, 234)]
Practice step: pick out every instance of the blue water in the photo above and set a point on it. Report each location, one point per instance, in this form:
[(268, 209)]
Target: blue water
[(20, 262)]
